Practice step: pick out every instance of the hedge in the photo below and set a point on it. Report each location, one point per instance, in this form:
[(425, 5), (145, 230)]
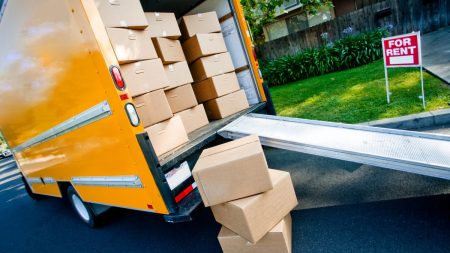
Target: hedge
[(343, 54)]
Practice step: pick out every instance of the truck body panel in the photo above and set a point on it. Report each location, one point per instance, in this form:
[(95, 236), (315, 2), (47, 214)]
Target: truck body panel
[(66, 120)]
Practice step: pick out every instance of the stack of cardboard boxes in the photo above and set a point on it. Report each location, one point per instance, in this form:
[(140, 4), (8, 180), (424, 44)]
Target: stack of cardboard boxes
[(129, 33), (158, 74), (215, 82), (252, 202), (164, 30)]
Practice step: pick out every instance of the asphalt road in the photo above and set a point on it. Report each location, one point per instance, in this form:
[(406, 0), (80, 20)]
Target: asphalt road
[(344, 207)]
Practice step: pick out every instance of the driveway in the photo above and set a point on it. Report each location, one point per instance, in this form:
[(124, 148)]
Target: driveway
[(436, 53)]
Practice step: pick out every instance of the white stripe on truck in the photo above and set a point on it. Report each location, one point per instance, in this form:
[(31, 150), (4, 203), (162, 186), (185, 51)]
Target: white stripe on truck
[(91, 115), (112, 181)]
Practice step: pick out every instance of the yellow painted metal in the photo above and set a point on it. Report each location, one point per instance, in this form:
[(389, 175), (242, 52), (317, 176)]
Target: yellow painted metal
[(47, 189), (249, 46), (54, 64)]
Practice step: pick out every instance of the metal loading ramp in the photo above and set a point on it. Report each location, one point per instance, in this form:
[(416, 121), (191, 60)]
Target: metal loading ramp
[(420, 153)]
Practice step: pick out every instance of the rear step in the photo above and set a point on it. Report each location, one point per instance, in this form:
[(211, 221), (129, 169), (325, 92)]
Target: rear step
[(419, 153), (186, 208)]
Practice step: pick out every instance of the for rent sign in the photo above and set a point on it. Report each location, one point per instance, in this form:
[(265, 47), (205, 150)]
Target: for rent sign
[(402, 51)]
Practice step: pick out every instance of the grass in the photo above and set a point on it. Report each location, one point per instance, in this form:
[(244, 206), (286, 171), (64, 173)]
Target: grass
[(359, 95)]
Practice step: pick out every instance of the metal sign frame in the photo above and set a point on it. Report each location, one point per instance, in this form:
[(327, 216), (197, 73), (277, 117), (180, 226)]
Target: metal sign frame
[(420, 65)]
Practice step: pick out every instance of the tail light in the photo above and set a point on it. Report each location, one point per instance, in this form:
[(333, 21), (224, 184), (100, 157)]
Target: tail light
[(117, 77), (255, 56), (132, 114)]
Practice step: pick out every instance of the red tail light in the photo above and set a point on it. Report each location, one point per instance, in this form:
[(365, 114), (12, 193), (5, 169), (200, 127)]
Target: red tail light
[(255, 57), (117, 77)]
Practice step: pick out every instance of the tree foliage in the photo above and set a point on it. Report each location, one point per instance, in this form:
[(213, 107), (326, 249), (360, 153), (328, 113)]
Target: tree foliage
[(262, 12)]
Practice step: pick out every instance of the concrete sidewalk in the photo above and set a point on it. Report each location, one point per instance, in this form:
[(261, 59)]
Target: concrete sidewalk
[(436, 53)]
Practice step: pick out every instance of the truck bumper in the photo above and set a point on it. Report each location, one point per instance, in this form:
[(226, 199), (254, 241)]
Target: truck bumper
[(185, 208)]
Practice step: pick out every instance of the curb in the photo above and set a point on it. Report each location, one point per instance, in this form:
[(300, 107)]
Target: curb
[(414, 121)]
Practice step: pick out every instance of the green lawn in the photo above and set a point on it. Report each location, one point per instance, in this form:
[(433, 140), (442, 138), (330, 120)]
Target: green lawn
[(359, 95)]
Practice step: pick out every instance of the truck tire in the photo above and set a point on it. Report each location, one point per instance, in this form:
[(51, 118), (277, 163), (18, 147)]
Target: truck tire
[(83, 209), (30, 193)]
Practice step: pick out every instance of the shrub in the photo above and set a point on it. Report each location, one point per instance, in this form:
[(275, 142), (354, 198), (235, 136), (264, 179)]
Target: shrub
[(346, 53)]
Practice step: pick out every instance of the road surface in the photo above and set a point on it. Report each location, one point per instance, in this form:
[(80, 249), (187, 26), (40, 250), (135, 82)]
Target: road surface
[(339, 212)]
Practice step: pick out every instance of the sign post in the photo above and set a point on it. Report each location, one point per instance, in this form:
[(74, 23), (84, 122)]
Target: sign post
[(400, 52)]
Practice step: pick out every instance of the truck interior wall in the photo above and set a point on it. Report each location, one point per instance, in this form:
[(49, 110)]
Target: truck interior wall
[(230, 32)]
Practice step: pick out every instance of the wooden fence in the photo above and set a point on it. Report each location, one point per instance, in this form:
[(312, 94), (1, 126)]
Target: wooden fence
[(401, 16)]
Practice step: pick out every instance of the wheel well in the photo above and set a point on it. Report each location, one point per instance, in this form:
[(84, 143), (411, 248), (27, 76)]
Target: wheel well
[(63, 188)]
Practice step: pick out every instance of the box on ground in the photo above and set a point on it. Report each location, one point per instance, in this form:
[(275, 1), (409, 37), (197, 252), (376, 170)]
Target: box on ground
[(144, 76), (178, 74), (131, 45), (254, 216), (210, 66), (216, 86), (162, 24), (181, 98), (199, 23), (277, 240), (153, 108), (127, 14), (231, 171), (204, 45), (227, 105), (170, 51), (193, 118), (167, 135)]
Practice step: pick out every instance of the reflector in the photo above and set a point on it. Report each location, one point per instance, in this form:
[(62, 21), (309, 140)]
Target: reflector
[(117, 77), (132, 114)]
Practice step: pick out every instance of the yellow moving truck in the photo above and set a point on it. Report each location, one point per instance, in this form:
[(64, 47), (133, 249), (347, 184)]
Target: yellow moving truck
[(66, 113)]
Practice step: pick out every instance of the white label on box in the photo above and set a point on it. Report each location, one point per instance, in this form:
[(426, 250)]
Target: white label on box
[(178, 175), (123, 23), (164, 33), (171, 68), (156, 14)]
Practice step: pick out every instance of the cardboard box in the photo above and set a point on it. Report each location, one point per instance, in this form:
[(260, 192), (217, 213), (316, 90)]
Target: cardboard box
[(254, 216), (126, 14), (153, 108), (194, 118), (163, 25), (215, 87), (178, 74), (227, 105), (277, 240), (199, 23), (170, 51), (233, 170), (167, 135), (181, 98), (144, 76), (210, 66), (204, 45), (131, 45)]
